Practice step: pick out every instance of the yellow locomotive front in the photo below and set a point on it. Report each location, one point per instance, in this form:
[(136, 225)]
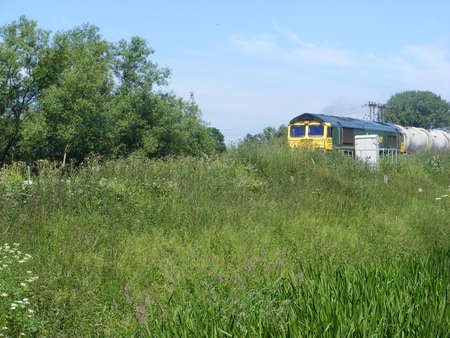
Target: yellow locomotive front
[(310, 134)]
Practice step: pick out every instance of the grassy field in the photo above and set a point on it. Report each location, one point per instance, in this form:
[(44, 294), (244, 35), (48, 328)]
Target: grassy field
[(264, 241)]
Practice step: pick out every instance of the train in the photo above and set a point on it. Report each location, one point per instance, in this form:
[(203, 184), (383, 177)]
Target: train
[(327, 132)]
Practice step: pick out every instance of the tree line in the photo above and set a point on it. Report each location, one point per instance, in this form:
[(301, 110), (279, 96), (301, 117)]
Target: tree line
[(72, 93)]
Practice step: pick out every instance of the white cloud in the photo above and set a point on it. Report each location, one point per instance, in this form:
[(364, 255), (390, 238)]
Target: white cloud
[(421, 67), (261, 44), (289, 46)]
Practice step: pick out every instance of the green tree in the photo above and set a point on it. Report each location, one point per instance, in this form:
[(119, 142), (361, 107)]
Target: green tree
[(147, 120), (22, 48), (269, 135), (418, 109), (219, 140), (72, 117), (134, 104), (76, 94)]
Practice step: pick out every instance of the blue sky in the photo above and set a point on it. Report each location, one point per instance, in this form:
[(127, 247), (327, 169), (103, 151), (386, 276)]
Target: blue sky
[(253, 64)]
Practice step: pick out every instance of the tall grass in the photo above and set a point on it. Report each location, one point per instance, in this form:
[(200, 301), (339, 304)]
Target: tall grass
[(264, 241)]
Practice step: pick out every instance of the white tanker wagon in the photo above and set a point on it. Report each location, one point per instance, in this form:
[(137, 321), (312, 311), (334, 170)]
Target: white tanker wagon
[(416, 140), (440, 140)]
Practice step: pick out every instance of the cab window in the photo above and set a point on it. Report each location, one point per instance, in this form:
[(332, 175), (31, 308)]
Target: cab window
[(315, 130), (297, 131)]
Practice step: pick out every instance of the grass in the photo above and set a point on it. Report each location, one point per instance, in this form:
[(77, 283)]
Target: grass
[(264, 241)]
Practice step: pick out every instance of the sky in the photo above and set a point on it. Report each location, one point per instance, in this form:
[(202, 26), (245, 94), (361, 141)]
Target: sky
[(254, 64)]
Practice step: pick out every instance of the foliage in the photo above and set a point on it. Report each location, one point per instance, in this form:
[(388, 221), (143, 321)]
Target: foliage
[(74, 111), (418, 109), (269, 135), (73, 94), (264, 241), (22, 46), (218, 137)]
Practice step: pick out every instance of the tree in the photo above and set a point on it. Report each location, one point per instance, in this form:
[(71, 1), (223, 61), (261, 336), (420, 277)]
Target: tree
[(134, 110), (22, 48), (269, 135), (219, 140), (149, 121), (72, 113), (76, 94), (418, 109)]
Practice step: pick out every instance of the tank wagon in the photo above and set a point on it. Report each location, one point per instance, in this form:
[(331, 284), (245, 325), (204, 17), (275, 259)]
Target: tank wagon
[(325, 132)]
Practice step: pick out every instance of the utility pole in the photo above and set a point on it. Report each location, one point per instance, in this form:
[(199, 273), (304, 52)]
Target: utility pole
[(380, 107), (375, 111)]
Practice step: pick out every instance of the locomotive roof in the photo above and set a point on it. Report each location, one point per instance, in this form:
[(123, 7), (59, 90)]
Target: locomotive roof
[(346, 122)]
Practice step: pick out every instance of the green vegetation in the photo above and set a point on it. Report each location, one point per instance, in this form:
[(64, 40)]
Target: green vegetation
[(71, 94), (258, 241), (269, 135), (264, 241), (418, 109)]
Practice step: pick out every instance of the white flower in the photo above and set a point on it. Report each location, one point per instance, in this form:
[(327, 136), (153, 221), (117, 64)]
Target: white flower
[(23, 284), (29, 272), (3, 294), (420, 190), (437, 198)]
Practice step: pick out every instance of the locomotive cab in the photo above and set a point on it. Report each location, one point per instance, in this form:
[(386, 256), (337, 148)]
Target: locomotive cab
[(310, 134)]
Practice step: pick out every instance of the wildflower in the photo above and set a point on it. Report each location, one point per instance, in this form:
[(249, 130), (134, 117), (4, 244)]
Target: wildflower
[(3, 294), (437, 198), (444, 196), (29, 272), (30, 310), (23, 284), (420, 190)]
